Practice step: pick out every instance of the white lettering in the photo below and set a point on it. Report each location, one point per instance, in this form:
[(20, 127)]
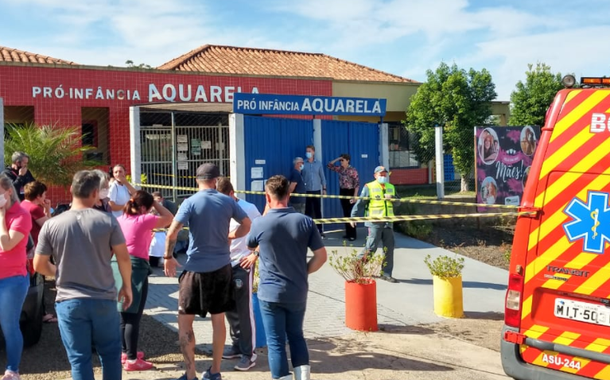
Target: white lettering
[(47, 92), (306, 105), (88, 93), (359, 106), (215, 92), (229, 90), (295, 106), (169, 92), (598, 123), (240, 104), (99, 94), (109, 94), (376, 107), (340, 107), (262, 105), (200, 95), (254, 90), (329, 105), (153, 93), (184, 98), (349, 106), (59, 92), (317, 105), (36, 91), (78, 93), (136, 95), (120, 94)]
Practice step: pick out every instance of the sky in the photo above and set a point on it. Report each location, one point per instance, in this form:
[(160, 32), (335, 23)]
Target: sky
[(402, 37)]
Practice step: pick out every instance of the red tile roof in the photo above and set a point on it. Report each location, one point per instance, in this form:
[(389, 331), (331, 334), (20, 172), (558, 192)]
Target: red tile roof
[(14, 55), (252, 61)]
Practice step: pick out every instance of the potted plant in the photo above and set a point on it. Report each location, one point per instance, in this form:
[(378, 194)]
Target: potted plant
[(360, 287), (447, 285), (261, 338)]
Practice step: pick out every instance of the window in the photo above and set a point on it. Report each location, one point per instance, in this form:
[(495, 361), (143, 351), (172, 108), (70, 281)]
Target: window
[(89, 132), (400, 143), (94, 130)]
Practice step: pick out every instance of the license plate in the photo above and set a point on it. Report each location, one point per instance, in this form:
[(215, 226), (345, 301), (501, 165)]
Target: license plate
[(582, 311)]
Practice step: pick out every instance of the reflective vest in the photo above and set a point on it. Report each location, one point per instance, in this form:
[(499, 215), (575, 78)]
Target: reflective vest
[(378, 206)]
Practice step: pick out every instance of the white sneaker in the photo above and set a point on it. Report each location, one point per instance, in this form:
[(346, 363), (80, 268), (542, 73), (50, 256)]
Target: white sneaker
[(10, 375)]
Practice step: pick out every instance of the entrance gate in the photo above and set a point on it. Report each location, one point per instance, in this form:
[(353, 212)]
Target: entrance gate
[(174, 144)]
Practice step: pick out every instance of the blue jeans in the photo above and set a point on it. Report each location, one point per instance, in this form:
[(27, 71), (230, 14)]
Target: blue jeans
[(283, 320), (13, 291), (83, 320)]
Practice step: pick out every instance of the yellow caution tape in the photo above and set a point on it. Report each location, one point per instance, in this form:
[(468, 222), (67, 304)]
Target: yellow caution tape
[(406, 200), (402, 218)]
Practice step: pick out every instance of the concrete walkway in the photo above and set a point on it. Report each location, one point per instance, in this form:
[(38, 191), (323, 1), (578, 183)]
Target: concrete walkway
[(400, 306)]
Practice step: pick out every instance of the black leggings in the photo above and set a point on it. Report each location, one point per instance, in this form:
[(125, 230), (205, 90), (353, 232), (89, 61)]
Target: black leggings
[(130, 326)]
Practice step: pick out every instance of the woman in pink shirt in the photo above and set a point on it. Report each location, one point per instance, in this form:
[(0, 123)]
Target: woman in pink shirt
[(15, 225), (137, 225)]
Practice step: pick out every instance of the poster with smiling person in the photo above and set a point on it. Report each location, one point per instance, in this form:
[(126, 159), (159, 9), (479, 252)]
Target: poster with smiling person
[(503, 156)]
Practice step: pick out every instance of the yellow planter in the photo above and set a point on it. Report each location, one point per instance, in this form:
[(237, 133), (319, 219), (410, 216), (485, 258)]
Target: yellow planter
[(448, 297)]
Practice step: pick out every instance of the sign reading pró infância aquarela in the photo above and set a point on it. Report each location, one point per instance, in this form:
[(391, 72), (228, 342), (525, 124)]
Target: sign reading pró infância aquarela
[(503, 159)]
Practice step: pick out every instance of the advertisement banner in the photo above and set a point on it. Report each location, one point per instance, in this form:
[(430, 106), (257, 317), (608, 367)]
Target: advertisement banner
[(503, 157)]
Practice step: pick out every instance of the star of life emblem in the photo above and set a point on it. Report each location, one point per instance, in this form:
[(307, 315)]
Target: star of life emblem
[(590, 222)]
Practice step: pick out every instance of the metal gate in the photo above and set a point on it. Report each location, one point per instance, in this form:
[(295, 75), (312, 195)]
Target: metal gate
[(174, 144)]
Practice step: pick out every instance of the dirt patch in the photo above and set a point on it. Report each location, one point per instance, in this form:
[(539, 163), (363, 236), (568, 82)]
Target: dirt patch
[(47, 360), (481, 329), (489, 244)]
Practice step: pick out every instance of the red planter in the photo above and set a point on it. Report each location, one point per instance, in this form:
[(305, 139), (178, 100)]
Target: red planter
[(361, 306)]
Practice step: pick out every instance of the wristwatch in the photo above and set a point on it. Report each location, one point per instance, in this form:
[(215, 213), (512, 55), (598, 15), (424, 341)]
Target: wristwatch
[(168, 257), (256, 253)]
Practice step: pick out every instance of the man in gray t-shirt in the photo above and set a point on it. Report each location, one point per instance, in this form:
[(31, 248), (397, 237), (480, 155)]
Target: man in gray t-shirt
[(82, 241)]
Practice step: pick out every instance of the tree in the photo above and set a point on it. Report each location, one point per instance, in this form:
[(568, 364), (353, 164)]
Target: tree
[(132, 65), (458, 100), (531, 99), (55, 152)]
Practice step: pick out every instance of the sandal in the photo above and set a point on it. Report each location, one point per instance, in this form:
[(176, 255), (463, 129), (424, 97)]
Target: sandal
[(49, 318)]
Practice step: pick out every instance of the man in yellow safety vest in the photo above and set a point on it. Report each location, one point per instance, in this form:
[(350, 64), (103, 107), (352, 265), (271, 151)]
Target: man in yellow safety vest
[(382, 196)]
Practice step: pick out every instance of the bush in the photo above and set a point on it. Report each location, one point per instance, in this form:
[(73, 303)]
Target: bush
[(55, 152), (445, 267), (353, 269)]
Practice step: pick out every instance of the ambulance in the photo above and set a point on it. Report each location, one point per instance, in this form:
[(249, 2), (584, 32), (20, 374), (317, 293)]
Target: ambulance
[(557, 312)]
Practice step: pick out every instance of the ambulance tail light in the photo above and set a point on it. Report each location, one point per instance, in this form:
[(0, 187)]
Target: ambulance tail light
[(514, 295)]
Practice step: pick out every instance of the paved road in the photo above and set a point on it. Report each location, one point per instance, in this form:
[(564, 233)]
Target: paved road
[(409, 302)]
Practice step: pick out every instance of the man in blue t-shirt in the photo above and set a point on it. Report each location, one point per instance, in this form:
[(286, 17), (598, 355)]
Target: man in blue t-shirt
[(282, 237), (205, 283), (297, 186)]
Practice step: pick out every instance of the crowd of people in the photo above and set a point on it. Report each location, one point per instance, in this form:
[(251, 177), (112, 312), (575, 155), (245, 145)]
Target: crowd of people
[(101, 250)]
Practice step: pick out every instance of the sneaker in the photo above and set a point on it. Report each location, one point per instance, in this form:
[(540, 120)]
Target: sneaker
[(137, 365), (231, 353), (388, 278), (10, 375), (183, 377), (245, 363), (124, 356), (208, 375)]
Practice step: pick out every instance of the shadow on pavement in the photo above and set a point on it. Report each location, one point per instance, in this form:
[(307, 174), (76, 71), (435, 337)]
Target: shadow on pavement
[(465, 284)]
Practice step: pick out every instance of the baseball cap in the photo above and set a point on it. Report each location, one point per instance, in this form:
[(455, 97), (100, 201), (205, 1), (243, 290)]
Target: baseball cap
[(380, 169), (208, 171)]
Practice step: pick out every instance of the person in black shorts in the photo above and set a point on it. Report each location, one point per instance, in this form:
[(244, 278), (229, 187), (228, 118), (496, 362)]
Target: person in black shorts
[(206, 283)]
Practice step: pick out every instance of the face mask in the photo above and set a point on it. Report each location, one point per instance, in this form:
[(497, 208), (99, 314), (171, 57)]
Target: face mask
[(382, 179), (3, 201), (301, 167), (103, 193), (308, 155)]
